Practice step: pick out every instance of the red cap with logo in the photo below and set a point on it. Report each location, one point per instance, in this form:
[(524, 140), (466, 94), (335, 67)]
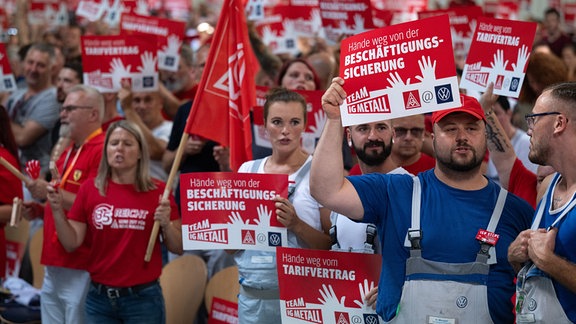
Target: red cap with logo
[(469, 105)]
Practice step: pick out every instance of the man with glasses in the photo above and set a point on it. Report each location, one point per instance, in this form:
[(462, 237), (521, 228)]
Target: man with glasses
[(444, 233), (66, 282), (408, 143), (545, 255)]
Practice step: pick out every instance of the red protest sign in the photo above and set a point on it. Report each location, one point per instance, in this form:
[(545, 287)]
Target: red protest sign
[(399, 70), (108, 60), (91, 9), (48, 12), (223, 210), (463, 22), (223, 312), (282, 24), (499, 53), (168, 33), (336, 284), (7, 80), (345, 17)]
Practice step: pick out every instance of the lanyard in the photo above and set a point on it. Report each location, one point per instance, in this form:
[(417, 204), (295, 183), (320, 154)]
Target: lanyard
[(68, 168)]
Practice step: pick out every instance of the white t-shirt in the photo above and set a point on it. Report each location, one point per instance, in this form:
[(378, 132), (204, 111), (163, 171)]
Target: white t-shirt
[(307, 208)]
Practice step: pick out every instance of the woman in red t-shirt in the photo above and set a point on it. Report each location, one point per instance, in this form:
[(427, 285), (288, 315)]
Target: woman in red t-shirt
[(11, 185), (115, 212)]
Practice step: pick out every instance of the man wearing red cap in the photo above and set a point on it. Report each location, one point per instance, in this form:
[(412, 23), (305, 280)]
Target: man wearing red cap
[(444, 234)]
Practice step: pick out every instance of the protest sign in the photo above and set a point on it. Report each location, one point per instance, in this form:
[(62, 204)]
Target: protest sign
[(169, 35), (223, 210), (108, 60), (380, 66), (281, 24), (495, 44), (92, 10), (223, 312), (463, 22), (7, 80), (502, 9), (319, 286), (315, 119), (401, 11), (48, 13), (345, 17)]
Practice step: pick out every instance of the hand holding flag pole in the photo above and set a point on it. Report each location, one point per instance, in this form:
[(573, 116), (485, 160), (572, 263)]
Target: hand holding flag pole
[(166, 194), (225, 95)]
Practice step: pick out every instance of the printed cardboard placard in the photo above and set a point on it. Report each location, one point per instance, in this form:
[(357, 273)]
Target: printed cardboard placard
[(109, 60), (401, 11), (283, 23), (169, 34), (503, 9), (319, 286), (223, 312), (316, 118), (14, 253), (7, 80), (48, 12), (345, 17), (499, 53), (224, 210), (397, 71), (463, 22), (92, 10)]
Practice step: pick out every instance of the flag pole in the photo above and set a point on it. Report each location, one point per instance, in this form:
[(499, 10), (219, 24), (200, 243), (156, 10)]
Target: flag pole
[(166, 194)]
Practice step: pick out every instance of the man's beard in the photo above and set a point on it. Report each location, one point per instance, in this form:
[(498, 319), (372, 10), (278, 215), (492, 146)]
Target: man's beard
[(376, 158), (453, 165)]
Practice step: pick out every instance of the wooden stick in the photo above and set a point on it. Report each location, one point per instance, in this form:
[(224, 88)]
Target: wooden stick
[(166, 194), (13, 170), (16, 214)]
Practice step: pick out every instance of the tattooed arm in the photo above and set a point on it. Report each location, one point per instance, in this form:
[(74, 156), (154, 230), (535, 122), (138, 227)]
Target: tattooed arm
[(501, 150)]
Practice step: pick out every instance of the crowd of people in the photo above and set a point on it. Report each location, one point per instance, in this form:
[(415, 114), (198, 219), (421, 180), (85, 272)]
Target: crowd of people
[(504, 166)]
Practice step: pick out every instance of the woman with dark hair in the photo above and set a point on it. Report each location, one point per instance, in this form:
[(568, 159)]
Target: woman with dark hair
[(11, 185), (116, 211), (307, 222), (298, 74)]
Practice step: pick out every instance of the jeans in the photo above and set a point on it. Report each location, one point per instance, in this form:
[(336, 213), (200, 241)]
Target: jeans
[(145, 306)]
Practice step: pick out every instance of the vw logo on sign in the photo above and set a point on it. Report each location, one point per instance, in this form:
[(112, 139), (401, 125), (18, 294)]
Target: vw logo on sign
[(443, 93), (274, 239)]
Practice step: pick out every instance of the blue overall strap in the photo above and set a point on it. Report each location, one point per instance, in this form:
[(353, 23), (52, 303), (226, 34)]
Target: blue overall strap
[(540, 212)]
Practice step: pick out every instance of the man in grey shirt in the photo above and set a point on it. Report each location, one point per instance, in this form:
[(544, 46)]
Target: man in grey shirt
[(34, 110)]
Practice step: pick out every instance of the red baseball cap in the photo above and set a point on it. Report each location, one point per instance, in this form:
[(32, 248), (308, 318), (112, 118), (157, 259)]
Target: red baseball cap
[(469, 105)]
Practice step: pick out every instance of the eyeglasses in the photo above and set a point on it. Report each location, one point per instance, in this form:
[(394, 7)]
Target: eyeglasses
[(71, 108), (531, 118), (415, 131)]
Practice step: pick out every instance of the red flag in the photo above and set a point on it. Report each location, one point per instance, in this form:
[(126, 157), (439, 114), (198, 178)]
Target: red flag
[(221, 108)]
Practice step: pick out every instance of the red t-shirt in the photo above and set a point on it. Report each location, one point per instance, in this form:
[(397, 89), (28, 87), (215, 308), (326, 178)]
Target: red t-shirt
[(425, 162), (11, 188), (119, 225), (84, 167), (107, 123), (522, 183)]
